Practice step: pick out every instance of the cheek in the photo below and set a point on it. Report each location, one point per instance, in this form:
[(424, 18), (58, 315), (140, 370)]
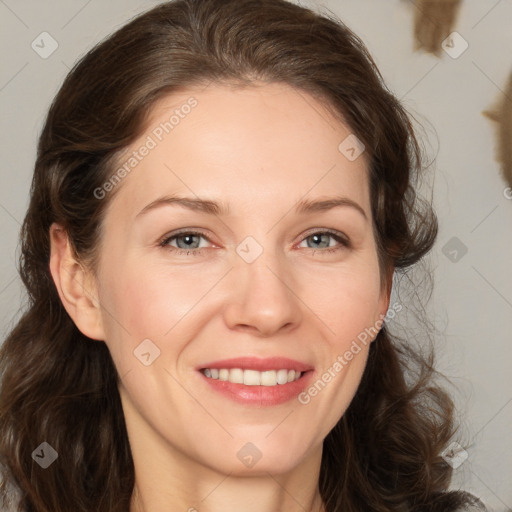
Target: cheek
[(148, 300), (346, 300), (144, 301)]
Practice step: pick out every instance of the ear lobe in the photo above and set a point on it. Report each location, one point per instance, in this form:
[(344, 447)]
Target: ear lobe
[(389, 281), (384, 301), (75, 285)]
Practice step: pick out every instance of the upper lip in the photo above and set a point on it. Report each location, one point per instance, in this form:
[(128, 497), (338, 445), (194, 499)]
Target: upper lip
[(259, 364)]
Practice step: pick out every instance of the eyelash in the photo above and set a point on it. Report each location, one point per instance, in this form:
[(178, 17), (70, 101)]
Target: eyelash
[(339, 237)]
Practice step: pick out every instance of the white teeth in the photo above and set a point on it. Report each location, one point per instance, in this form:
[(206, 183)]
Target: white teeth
[(282, 376), (269, 378), (236, 375), (252, 377)]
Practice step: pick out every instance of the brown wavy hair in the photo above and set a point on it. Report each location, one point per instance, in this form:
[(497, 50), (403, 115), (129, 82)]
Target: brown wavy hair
[(61, 387)]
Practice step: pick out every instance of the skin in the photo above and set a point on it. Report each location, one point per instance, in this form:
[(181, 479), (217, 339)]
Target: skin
[(259, 149)]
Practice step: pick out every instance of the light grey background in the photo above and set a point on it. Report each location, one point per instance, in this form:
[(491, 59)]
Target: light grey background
[(472, 301)]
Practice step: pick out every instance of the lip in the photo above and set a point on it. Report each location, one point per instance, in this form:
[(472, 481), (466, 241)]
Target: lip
[(259, 396), (260, 364)]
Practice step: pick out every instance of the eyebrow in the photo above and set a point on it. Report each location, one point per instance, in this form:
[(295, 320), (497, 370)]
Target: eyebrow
[(213, 208)]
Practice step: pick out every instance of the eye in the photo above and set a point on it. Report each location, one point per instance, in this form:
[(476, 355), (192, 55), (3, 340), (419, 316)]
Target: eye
[(320, 240), (188, 241)]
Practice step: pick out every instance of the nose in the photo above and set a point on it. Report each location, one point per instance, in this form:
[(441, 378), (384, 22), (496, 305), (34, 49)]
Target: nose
[(263, 300)]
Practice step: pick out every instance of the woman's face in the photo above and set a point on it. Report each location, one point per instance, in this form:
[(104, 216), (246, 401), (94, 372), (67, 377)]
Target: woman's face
[(220, 260)]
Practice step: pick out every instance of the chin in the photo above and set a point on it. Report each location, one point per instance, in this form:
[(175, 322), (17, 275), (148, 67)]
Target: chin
[(259, 457)]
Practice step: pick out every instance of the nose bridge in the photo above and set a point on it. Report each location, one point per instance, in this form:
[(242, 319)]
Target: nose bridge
[(262, 296)]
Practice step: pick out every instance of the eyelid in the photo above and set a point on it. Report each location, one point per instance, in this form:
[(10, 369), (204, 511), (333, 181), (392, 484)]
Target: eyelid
[(342, 239), (185, 231)]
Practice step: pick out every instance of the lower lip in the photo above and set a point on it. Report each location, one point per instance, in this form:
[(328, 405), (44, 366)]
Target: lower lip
[(260, 395)]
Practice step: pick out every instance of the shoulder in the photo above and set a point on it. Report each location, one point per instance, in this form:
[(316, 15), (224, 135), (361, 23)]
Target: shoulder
[(12, 494), (471, 504), (458, 501), (475, 505)]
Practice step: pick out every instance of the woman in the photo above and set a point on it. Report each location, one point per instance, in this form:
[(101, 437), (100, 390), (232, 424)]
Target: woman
[(187, 345)]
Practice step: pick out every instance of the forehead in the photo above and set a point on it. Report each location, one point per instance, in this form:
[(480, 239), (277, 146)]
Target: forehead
[(257, 145)]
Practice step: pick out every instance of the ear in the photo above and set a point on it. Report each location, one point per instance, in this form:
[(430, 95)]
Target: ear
[(387, 292), (76, 286), (384, 300)]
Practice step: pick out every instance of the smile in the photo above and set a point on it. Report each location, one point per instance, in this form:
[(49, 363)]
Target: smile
[(253, 377)]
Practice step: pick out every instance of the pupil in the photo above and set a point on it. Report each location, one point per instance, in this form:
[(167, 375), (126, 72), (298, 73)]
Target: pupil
[(188, 240), (317, 239)]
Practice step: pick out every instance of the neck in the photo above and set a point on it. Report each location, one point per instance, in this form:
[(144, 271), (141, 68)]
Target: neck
[(167, 479), (269, 496)]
